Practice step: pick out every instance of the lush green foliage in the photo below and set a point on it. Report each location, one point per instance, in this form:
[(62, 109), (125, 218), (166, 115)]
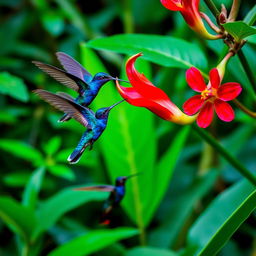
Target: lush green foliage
[(189, 198)]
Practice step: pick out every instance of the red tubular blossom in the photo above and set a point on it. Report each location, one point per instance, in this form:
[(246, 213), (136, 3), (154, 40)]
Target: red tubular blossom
[(190, 12), (213, 97), (144, 94)]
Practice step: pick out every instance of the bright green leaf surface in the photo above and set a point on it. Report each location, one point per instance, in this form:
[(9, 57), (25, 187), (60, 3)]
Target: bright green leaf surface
[(149, 251), (93, 241), (239, 29), (13, 86), (165, 51), (21, 150), (52, 146), (62, 171), (250, 18), (222, 218), (19, 218), (66, 200), (33, 187)]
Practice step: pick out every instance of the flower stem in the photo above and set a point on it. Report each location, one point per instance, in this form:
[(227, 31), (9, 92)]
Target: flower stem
[(247, 69), (224, 153), (210, 23), (128, 17), (244, 108), (212, 7), (234, 10)]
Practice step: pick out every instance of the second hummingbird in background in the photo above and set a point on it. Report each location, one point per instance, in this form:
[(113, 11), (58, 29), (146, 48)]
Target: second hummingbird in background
[(117, 193), (95, 122), (77, 78)]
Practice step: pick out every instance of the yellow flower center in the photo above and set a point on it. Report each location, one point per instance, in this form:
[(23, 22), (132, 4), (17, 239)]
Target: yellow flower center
[(209, 94)]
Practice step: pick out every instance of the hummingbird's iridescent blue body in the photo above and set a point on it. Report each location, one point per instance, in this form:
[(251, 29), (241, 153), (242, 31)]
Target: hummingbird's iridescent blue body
[(117, 193), (95, 122), (77, 78)]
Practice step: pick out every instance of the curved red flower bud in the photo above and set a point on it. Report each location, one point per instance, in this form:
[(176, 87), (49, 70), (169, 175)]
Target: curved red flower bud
[(190, 12), (144, 94)]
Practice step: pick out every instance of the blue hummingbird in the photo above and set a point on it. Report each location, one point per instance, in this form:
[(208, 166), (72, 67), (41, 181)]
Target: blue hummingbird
[(117, 193), (95, 122), (77, 78)]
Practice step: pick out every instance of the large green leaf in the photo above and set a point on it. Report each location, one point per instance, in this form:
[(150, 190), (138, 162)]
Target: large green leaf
[(166, 235), (222, 218), (93, 241), (19, 218), (21, 150), (66, 200), (250, 17), (149, 251), (13, 86), (239, 29), (130, 131), (165, 168), (163, 50), (33, 187)]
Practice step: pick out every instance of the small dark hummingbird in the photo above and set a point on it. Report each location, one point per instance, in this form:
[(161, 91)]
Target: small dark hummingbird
[(77, 78), (117, 193), (95, 122)]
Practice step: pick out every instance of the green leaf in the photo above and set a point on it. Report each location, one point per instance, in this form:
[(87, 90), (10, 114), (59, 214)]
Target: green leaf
[(239, 29), (13, 86), (93, 242), (165, 168), (250, 18), (183, 206), (19, 218), (62, 171), (21, 150), (127, 154), (149, 251), (52, 146), (162, 50), (66, 200), (53, 22), (33, 187), (222, 218)]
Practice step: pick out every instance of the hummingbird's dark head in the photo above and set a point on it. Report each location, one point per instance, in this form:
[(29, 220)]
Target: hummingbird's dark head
[(103, 77), (102, 113), (120, 181)]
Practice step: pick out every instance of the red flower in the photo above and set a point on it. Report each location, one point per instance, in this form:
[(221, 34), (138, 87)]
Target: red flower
[(190, 12), (144, 94), (213, 96)]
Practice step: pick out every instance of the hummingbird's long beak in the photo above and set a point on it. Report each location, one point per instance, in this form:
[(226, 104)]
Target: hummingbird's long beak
[(132, 175), (121, 80), (115, 104)]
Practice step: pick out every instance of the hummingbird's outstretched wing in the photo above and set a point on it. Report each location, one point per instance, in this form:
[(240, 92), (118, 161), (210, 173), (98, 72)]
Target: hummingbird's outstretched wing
[(73, 67), (69, 80), (104, 188), (66, 96), (81, 114)]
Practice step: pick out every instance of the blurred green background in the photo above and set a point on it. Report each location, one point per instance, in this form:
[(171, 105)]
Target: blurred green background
[(166, 207)]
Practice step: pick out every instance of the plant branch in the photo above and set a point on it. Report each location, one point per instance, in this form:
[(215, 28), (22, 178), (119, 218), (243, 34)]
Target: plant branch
[(247, 69), (128, 17), (212, 7), (210, 23), (234, 10), (244, 108), (225, 154)]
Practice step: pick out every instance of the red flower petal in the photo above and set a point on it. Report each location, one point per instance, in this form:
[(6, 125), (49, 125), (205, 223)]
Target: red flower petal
[(195, 79), (173, 5), (224, 110), (214, 78), (192, 105), (205, 116), (229, 91)]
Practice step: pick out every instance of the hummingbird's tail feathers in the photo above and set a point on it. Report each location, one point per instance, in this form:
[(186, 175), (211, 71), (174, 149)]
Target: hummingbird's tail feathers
[(73, 67), (61, 76), (64, 118), (105, 217), (77, 153), (67, 106)]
